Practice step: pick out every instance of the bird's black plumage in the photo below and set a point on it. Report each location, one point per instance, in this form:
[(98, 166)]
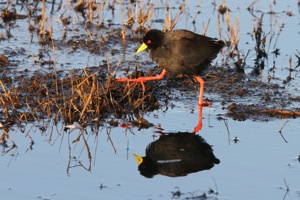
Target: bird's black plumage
[(182, 51)]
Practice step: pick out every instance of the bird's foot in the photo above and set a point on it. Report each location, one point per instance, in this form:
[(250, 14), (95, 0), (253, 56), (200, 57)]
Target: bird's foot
[(141, 80), (135, 81), (122, 79), (204, 103)]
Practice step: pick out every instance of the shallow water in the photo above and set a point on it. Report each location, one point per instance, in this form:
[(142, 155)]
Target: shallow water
[(253, 168), (256, 167)]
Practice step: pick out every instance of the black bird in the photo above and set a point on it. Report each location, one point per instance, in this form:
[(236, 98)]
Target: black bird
[(179, 52), (176, 154)]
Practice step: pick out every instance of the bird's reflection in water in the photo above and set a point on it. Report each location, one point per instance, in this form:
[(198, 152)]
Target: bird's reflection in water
[(176, 154)]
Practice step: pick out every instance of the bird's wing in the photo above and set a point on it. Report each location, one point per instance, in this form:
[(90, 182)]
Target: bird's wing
[(196, 50)]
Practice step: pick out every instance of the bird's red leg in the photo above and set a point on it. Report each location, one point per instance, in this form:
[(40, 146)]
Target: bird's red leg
[(199, 125), (201, 102), (143, 79)]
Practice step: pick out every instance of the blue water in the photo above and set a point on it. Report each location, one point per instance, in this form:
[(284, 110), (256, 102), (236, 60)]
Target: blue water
[(253, 168), (256, 167)]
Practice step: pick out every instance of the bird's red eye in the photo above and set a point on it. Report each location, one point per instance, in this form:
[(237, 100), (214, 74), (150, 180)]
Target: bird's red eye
[(148, 42)]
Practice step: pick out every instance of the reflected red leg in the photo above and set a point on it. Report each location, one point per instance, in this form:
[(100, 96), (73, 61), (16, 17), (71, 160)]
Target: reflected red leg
[(199, 125), (201, 102), (143, 79)]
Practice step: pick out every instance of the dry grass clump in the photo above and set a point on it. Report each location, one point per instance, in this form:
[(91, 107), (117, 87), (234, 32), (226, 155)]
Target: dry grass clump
[(77, 98)]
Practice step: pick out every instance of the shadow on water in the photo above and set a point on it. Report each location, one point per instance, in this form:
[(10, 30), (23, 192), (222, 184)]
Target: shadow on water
[(176, 154)]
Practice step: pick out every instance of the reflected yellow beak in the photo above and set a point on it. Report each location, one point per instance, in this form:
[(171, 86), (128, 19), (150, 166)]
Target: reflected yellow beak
[(139, 159), (142, 48)]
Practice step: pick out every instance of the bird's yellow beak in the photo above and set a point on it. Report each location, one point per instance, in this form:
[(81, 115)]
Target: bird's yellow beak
[(139, 159), (142, 48)]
